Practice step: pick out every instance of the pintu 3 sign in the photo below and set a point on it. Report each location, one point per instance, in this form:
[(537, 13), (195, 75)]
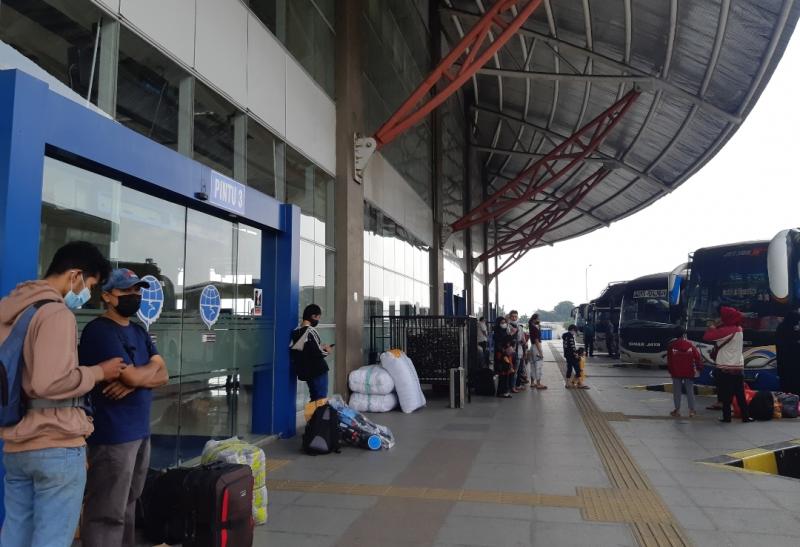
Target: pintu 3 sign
[(226, 193)]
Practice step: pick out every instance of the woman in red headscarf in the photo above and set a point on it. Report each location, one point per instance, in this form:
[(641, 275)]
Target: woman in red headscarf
[(728, 339)]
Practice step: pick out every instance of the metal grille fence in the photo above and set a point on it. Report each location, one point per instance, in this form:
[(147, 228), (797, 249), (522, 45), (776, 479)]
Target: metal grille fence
[(434, 343)]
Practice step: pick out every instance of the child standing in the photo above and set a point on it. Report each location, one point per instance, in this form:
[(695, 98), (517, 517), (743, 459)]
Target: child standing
[(581, 377), (684, 364)]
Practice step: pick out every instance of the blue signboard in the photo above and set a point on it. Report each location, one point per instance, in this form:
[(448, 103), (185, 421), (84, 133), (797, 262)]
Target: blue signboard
[(226, 193)]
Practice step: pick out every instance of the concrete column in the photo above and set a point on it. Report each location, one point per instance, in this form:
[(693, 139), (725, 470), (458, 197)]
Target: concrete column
[(469, 263), (436, 251), (349, 223)]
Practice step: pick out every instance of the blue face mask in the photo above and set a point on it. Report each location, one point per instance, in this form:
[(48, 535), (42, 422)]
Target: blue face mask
[(75, 301)]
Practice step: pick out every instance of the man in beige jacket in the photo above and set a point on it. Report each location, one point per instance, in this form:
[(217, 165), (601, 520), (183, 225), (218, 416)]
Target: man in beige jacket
[(44, 454)]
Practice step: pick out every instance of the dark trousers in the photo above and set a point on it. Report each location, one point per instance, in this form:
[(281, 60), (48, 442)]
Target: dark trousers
[(573, 365), (114, 482), (730, 386), (589, 343)]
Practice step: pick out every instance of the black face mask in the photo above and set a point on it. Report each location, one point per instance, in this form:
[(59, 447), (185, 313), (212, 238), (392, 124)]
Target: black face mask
[(314, 322), (128, 304)]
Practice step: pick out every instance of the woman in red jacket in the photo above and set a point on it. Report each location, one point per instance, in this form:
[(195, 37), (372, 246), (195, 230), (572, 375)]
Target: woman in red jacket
[(728, 339), (683, 363)]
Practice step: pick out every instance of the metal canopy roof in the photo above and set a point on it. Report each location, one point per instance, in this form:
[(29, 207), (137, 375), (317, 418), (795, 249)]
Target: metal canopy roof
[(700, 64)]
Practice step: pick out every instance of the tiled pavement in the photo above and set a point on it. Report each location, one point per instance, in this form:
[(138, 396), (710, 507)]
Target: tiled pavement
[(526, 458)]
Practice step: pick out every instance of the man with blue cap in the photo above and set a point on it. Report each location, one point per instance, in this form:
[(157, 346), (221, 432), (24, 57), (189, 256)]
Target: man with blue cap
[(119, 448)]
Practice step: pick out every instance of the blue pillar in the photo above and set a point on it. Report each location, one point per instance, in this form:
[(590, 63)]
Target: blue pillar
[(281, 273), (23, 100)]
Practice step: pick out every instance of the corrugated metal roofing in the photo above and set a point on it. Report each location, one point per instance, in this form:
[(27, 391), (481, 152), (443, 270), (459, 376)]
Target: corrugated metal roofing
[(701, 64)]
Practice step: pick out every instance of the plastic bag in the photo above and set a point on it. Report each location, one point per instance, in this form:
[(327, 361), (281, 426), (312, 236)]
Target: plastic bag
[(406, 381), (235, 450), (373, 403), (371, 380), (359, 430)]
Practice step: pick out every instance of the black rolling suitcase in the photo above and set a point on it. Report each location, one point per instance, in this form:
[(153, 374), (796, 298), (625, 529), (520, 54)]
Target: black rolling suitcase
[(217, 506), (158, 512)]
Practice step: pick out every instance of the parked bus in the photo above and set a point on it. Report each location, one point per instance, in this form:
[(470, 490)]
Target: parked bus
[(650, 313), (579, 315), (602, 309), (760, 279)]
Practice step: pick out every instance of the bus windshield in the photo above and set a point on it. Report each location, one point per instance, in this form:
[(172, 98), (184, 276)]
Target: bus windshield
[(733, 276), (645, 307)]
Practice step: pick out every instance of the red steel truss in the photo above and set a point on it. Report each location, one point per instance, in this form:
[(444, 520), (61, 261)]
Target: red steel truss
[(517, 244), (549, 169), (461, 64), (532, 231)]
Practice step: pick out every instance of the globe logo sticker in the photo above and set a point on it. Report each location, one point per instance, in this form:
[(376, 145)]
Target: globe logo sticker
[(210, 305), (152, 302)]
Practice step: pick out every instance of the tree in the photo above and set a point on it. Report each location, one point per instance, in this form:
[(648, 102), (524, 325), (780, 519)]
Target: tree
[(563, 310)]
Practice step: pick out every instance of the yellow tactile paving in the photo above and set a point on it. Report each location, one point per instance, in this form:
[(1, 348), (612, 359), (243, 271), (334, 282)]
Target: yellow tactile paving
[(633, 499), (274, 465)]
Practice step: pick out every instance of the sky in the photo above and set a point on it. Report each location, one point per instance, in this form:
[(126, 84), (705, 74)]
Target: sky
[(748, 191)]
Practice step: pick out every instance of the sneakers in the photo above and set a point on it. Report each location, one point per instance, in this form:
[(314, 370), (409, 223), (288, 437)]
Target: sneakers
[(692, 413), (675, 414)]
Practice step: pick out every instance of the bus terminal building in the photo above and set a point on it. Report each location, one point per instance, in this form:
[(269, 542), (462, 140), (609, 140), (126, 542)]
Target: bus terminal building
[(255, 156)]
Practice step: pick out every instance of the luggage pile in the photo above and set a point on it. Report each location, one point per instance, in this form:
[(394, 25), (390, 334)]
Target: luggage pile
[(235, 450), (380, 388), (204, 506), (767, 405), (333, 423)]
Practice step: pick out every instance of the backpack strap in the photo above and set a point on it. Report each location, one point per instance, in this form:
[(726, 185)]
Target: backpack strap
[(75, 402), (37, 404)]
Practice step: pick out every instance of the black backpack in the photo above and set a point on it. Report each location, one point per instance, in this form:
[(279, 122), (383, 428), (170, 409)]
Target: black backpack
[(761, 406), (322, 434)]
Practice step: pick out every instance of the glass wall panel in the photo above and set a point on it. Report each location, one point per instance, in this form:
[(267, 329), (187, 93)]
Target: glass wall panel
[(213, 129), (300, 190), (147, 90), (57, 35), (192, 255), (306, 27), (311, 40), (261, 158), (266, 10), (324, 210), (395, 60), (306, 274)]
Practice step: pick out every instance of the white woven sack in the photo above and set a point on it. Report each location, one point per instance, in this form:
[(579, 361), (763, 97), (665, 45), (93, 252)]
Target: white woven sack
[(406, 381), (372, 380), (373, 403)]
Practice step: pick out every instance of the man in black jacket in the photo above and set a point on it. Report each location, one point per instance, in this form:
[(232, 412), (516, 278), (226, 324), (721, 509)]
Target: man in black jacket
[(308, 354)]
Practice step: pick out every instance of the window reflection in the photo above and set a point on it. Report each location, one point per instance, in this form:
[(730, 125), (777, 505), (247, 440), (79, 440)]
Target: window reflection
[(396, 266), (261, 158), (148, 86), (213, 129), (57, 35)]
